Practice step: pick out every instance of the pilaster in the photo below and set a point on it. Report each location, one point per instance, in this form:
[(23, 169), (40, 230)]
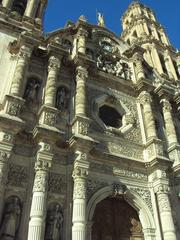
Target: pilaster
[(50, 91), (81, 98), (39, 199), (80, 174)]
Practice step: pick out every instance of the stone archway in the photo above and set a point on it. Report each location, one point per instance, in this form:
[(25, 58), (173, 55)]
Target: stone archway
[(134, 200), (115, 219)]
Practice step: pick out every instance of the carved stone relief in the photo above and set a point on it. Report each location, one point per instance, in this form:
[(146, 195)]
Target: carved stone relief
[(17, 175), (56, 183)]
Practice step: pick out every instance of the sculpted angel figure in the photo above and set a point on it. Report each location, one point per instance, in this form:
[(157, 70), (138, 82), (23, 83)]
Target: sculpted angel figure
[(101, 20)]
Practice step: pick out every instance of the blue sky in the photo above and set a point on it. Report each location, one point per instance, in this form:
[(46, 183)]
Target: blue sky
[(59, 11)]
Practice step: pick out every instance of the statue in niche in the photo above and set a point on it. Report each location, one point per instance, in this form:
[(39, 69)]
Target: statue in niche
[(62, 99), (32, 90), (11, 219), (54, 223)]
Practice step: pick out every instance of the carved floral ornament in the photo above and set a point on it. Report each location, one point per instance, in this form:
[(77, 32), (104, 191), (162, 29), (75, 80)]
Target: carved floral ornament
[(54, 63), (166, 105)]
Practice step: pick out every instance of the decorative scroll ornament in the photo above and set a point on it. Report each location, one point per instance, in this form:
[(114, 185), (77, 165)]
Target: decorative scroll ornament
[(54, 63), (79, 173), (82, 73)]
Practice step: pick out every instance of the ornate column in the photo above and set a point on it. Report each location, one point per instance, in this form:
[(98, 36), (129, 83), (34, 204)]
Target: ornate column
[(80, 100), (7, 3), (79, 199), (145, 100), (19, 75), (138, 60), (39, 198), (170, 66), (82, 36), (5, 153), (169, 124), (41, 10), (156, 59), (31, 8), (50, 91), (167, 224)]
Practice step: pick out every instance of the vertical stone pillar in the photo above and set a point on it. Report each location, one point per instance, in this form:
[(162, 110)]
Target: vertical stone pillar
[(80, 101), (145, 99), (7, 3), (169, 124), (31, 8), (156, 59), (82, 36), (170, 66), (19, 75), (178, 64), (39, 198), (50, 91), (165, 212), (138, 60), (79, 203), (5, 153), (41, 10)]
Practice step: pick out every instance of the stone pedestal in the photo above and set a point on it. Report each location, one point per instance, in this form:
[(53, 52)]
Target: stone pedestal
[(19, 75), (80, 101), (165, 212), (38, 206), (50, 92), (145, 100)]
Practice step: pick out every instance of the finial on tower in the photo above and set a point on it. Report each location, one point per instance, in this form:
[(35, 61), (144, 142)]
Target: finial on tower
[(101, 22)]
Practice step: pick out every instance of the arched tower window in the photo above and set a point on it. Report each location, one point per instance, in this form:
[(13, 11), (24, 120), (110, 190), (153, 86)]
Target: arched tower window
[(19, 6)]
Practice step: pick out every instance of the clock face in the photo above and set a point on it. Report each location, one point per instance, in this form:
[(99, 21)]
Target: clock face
[(107, 46)]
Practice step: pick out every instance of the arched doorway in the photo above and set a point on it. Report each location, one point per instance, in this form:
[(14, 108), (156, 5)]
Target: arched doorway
[(115, 219)]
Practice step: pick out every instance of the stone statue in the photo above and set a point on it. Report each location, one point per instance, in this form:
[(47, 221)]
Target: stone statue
[(101, 20), (11, 219), (62, 98), (54, 223), (31, 92)]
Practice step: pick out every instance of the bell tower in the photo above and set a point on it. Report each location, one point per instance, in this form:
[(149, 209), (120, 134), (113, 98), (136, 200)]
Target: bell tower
[(27, 11), (141, 27)]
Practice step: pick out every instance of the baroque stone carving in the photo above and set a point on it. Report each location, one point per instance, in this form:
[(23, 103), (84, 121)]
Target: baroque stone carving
[(130, 174), (54, 222), (113, 66), (93, 186), (83, 128), (79, 173), (56, 183), (17, 175), (119, 189), (144, 194), (32, 90), (54, 63), (11, 218), (79, 190), (13, 108), (40, 181), (50, 118), (82, 73), (62, 98)]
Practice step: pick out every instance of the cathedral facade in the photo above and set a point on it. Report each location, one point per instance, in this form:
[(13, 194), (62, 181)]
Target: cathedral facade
[(89, 128)]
